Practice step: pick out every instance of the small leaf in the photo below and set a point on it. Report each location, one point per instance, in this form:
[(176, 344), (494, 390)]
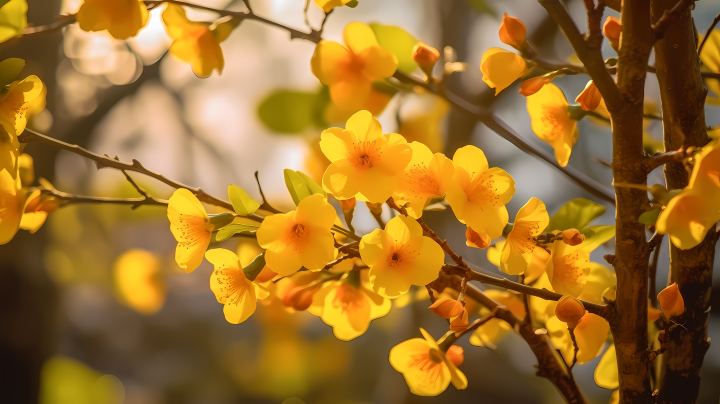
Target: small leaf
[(241, 201), (352, 4), (9, 70), (482, 7), (13, 19), (291, 112), (650, 217), (221, 219), (576, 214), (254, 268), (296, 186), (399, 42), (312, 185), (230, 230)]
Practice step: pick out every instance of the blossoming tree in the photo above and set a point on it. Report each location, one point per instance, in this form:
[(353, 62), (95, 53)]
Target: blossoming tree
[(311, 259)]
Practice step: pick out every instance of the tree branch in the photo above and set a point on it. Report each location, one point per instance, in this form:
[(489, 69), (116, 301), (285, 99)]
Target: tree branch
[(659, 159), (670, 17), (707, 33), (71, 199)]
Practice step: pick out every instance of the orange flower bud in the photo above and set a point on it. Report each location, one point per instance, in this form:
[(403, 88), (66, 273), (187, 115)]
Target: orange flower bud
[(265, 275), (569, 310), (512, 32), (348, 204), (653, 313), (460, 323), (671, 301), (375, 208), (456, 355), (572, 237), (477, 240), (590, 97), (425, 56), (300, 297), (533, 85), (447, 308), (611, 30)]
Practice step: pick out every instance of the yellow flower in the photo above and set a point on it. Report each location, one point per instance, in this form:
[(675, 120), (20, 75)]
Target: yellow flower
[(299, 238), (191, 227), (426, 177), (351, 72), (400, 256), (475, 239), (137, 276), (231, 287), (365, 164), (568, 268), (550, 120), (517, 252), (501, 68), (688, 216), (606, 372), (36, 210), (328, 5), (491, 332), (478, 194), (590, 334), (671, 301), (122, 18), (13, 108), (197, 43), (447, 308), (11, 205), (427, 370), (590, 97), (348, 306), (376, 103)]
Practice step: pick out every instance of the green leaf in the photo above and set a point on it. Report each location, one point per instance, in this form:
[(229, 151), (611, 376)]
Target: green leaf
[(299, 190), (254, 268), (290, 111), (313, 186), (399, 42), (596, 236), (9, 70), (221, 219), (482, 7), (3, 3), (230, 230), (576, 214), (352, 4), (13, 19), (649, 217), (241, 201)]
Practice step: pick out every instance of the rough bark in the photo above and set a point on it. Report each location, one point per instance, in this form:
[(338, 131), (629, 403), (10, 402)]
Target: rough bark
[(683, 99)]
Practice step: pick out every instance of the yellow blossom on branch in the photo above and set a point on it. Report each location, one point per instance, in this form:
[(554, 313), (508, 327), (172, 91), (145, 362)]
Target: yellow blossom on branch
[(513, 32), (426, 177), (328, 5), (427, 370), (11, 205), (590, 333), (478, 193), (400, 256), (351, 71), (568, 268), (14, 107), (501, 68), (138, 282), (121, 18), (365, 163), (475, 239), (299, 238), (191, 227), (590, 97), (550, 119), (517, 252)]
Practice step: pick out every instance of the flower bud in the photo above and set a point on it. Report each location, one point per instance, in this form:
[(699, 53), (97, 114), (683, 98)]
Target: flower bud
[(533, 85), (569, 310), (611, 30), (300, 297), (671, 301), (477, 240), (375, 208), (456, 355), (512, 32), (590, 97), (425, 56), (460, 323), (447, 308), (348, 204), (572, 237)]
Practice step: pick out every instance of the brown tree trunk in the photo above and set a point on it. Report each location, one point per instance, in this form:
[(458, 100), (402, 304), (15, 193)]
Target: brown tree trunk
[(683, 100)]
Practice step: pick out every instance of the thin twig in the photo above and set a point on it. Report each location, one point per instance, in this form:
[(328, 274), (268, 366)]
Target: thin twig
[(655, 240), (72, 199), (652, 274), (708, 32), (659, 159), (478, 323), (265, 204), (670, 16), (576, 349)]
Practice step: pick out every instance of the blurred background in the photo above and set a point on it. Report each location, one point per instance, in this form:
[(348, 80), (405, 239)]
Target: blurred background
[(93, 308)]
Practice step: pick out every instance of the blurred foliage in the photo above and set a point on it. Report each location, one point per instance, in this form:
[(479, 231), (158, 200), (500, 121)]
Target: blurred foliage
[(399, 42), (13, 18), (66, 381), (291, 111)]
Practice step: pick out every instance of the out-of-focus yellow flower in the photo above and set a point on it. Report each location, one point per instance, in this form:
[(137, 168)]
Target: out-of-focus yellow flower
[(425, 56), (231, 287), (688, 216), (425, 127), (612, 28), (376, 103), (671, 301), (446, 307), (36, 210), (191, 227), (328, 5), (13, 108), (121, 18), (348, 306), (351, 72), (299, 238), (475, 239), (569, 310), (365, 163), (426, 177), (501, 68), (426, 369), (606, 372), (599, 280), (512, 32), (590, 97), (11, 205), (197, 43), (517, 252), (478, 194), (400, 256), (490, 333), (590, 334), (137, 277), (550, 120)]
